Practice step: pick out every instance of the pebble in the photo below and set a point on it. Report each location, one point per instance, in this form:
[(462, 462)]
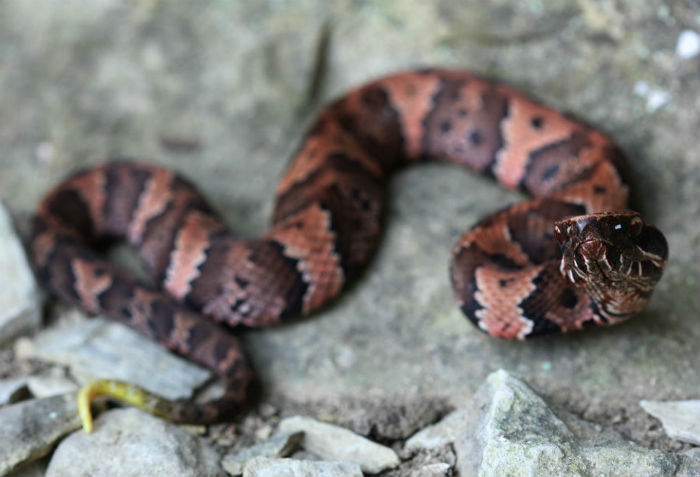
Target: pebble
[(30, 429), (98, 348), (266, 467), (279, 445), (681, 419), (688, 44), (130, 442), (336, 443), (20, 304)]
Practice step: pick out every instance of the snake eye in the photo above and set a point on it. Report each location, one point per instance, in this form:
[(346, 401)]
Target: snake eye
[(635, 226)]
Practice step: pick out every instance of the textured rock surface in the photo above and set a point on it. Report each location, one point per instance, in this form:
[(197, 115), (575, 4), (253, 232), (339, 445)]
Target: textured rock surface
[(266, 467), (30, 429), (513, 431), (336, 443), (97, 348), (20, 310), (128, 442), (84, 81), (279, 445), (681, 419)]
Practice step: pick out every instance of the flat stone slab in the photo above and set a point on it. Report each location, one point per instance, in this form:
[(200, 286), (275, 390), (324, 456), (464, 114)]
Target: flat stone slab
[(99, 348)]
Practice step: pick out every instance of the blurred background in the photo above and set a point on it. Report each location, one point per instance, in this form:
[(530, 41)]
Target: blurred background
[(222, 91)]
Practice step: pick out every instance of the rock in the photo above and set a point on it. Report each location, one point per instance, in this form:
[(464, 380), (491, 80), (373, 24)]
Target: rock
[(98, 348), (681, 419), (266, 467), (336, 443), (45, 386), (279, 445), (513, 431), (690, 463), (30, 429), (20, 305), (129, 442), (437, 462), (442, 433), (13, 390)]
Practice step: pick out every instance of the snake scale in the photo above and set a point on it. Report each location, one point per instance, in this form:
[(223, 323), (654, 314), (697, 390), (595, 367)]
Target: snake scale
[(569, 257)]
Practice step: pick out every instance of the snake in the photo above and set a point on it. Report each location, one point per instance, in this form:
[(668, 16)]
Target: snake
[(570, 256)]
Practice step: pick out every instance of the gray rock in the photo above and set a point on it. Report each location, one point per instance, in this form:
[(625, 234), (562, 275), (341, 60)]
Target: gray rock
[(20, 307), (690, 463), (266, 467), (681, 419), (45, 386), (512, 431), (98, 348), (336, 443), (30, 429), (13, 390), (279, 445), (129, 442), (439, 434)]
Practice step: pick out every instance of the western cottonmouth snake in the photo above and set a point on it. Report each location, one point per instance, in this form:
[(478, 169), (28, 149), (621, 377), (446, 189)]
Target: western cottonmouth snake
[(515, 273)]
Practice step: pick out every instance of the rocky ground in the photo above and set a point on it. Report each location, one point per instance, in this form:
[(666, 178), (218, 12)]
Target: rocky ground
[(222, 92)]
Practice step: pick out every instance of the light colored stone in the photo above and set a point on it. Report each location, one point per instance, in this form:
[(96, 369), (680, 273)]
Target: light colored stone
[(129, 442), (441, 433), (12, 390), (266, 467), (100, 348), (681, 419), (337, 443), (45, 386), (279, 445), (20, 304), (30, 429), (515, 432)]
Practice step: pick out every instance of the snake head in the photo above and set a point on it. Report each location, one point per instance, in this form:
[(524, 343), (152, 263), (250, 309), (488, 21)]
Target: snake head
[(615, 256)]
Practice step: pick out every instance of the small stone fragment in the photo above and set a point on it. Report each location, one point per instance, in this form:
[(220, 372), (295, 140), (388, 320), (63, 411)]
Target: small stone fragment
[(337, 443), (394, 417), (45, 386), (30, 429), (279, 445), (266, 467), (681, 419), (98, 348), (13, 390), (20, 304), (441, 433), (688, 44), (130, 442)]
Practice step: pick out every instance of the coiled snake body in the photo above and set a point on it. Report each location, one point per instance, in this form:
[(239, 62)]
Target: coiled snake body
[(559, 261)]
